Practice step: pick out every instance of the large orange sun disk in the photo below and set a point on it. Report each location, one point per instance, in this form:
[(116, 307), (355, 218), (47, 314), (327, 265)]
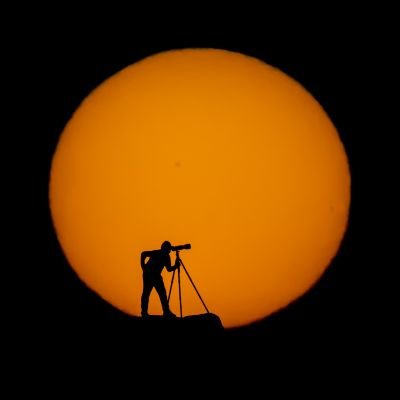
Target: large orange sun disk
[(207, 147)]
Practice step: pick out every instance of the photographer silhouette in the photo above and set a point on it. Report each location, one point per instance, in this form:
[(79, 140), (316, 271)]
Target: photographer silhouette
[(152, 276)]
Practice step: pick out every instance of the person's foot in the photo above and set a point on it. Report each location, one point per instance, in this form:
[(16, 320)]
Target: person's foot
[(169, 314)]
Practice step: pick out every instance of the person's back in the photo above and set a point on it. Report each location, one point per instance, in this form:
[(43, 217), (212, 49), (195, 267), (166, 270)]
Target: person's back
[(158, 259)]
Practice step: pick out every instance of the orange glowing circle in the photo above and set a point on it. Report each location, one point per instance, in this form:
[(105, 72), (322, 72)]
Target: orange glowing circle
[(207, 147)]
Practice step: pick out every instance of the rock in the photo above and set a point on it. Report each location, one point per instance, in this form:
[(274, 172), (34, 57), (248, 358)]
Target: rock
[(205, 325)]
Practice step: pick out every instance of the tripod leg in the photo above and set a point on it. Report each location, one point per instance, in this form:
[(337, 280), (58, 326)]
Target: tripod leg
[(179, 285), (170, 287), (187, 273)]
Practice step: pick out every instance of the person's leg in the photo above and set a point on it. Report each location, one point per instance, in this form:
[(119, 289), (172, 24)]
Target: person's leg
[(147, 288), (160, 287)]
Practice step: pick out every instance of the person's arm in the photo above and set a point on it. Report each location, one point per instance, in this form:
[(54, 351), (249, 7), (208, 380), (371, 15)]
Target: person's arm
[(143, 257), (168, 265)]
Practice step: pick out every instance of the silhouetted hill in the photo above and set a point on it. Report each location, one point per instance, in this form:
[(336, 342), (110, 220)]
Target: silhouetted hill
[(205, 325), (131, 340)]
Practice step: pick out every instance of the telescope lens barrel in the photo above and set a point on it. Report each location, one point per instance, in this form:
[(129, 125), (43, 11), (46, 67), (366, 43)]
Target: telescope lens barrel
[(181, 247)]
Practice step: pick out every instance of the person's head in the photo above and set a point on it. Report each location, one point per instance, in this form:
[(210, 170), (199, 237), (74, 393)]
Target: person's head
[(166, 247)]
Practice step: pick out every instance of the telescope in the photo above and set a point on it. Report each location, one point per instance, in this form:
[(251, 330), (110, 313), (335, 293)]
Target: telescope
[(181, 247)]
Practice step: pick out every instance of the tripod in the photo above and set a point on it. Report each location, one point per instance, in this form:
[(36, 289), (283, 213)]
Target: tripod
[(179, 284)]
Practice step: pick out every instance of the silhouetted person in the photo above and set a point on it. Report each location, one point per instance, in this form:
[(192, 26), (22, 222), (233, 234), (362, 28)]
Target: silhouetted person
[(152, 276)]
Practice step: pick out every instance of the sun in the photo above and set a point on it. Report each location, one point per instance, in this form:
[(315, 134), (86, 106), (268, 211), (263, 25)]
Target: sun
[(207, 147)]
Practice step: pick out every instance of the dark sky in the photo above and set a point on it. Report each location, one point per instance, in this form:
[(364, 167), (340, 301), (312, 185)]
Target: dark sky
[(62, 70)]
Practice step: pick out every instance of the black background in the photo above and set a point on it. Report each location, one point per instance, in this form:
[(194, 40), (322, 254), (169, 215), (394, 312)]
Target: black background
[(64, 66)]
